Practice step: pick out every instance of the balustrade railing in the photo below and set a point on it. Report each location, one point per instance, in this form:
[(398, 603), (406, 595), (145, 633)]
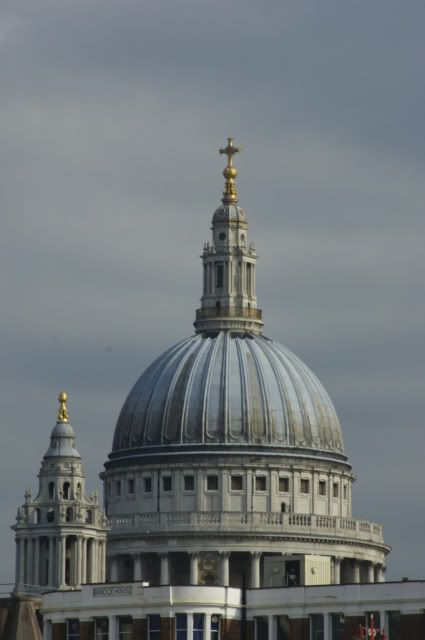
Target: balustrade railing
[(246, 522), (228, 312)]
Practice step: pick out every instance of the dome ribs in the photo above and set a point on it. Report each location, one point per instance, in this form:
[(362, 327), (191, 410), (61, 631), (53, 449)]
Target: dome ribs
[(191, 418)]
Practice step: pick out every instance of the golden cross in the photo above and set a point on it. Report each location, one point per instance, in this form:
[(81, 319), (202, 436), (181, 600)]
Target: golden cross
[(230, 195), (63, 411)]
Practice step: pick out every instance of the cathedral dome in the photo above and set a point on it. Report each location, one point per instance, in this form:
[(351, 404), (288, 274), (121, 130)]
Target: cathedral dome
[(229, 389)]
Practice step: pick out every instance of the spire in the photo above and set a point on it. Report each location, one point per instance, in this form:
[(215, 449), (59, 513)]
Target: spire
[(230, 194), (229, 301), (63, 411)]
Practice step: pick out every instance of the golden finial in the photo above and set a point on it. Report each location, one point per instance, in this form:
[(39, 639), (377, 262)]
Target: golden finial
[(230, 193), (63, 411)]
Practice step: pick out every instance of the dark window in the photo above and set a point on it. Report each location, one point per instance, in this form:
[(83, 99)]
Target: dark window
[(166, 483), (283, 507), (304, 485), (345, 492), (198, 626), (69, 514), (125, 628), (215, 627), (147, 484), (130, 485), (282, 628), (51, 490), (219, 282), (317, 626), (335, 490), (222, 236), (189, 483), (394, 625), (154, 627), (66, 488), (73, 629), (283, 485), (338, 626), (212, 483), (260, 483), (181, 626), (118, 487), (322, 487), (236, 483), (89, 516), (50, 515), (101, 629)]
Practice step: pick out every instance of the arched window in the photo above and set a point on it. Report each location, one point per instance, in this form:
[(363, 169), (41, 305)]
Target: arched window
[(66, 488), (51, 490), (69, 514)]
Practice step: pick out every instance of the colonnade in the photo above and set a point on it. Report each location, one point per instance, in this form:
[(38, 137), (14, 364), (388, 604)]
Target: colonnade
[(60, 560), (355, 571)]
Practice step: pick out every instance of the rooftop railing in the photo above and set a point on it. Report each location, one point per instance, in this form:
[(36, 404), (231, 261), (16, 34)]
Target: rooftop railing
[(228, 312), (255, 522)]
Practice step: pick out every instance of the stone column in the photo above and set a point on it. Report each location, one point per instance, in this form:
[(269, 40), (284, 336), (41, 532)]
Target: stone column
[(137, 567), (29, 563), (18, 562), (78, 561), (194, 567), (36, 578), (83, 560), (225, 557), (165, 572), (62, 561), (270, 627), (51, 562), (370, 572), (113, 568), (255, 569), (93, 561), (326, 626), (379, 573), (356, 571), (337, 570)]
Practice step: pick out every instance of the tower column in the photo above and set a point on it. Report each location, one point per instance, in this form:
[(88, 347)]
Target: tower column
[(194, 567), (137, 567), (51, 562), (36, 577), (356, 571), (78, 561), (370, 572), (165, 573), (62, 561), (255, 569), (84, 560), (337, 570), (225, 556), (29, 562), (93, 560)]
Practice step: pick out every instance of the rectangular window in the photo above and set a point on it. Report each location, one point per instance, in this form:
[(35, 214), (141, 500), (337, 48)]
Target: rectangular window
[(284, 485), (394, 625), (260, 483), (130, 486), (189, 483), (181, 626), (345, 492), (101, 631), (215, 627), (73, 629), (125, 628), (304, 485), (283, 507), (322, 487), (212, 483), (117, 487), (335, 490), (198, 626), (317, 626), (338, 626), (219, 282), (166, 483), (154, 627), (236, 483), (147, 484)]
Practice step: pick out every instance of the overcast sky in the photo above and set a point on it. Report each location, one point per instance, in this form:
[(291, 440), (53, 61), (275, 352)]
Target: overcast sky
[(112, 113)]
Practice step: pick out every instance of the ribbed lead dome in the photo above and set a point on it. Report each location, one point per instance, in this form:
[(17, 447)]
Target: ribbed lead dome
[(228, 389)]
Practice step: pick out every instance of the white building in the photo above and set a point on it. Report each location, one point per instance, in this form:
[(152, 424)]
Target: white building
[(227, 491)]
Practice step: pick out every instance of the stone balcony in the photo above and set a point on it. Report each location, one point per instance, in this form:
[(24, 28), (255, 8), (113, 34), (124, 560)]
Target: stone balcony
[(249, 523)]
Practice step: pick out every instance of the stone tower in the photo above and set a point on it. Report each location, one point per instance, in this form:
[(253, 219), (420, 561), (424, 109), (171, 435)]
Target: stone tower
[(61, 533)]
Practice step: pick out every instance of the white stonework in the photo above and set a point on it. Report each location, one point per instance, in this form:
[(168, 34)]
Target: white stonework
[(61, 533)]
